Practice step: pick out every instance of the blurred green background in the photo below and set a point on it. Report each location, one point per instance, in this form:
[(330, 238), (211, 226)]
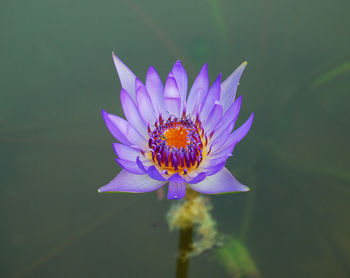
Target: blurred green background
[(55, 151)]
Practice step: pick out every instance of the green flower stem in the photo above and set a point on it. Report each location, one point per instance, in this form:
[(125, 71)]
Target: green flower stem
[(185, 243), (185, 247)]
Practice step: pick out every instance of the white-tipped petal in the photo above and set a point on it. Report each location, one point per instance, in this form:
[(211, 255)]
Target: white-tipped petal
[(126, 76), (229, 87)]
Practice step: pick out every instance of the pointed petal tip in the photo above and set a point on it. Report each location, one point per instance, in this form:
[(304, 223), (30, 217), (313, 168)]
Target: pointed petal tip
[(243, 188), (115, 57), (204, 69), (137, 81), (138, 84), (151, 71), (238, 101), (104, 114), (242, 67), (239, 70), (105, 117), (126, 76), (218, 79), (151, 68)]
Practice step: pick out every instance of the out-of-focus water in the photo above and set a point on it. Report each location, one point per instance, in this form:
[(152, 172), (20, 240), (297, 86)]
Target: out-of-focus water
[(56, 76)]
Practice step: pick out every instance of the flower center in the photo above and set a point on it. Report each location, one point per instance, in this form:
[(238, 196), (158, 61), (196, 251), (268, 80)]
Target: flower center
[(176, 137), (176, 144)]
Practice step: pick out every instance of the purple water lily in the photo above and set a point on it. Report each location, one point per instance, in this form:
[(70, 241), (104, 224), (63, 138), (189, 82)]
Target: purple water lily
[(171, 137)]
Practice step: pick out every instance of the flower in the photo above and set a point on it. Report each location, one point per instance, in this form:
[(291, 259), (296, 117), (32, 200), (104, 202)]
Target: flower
[(171, 137)]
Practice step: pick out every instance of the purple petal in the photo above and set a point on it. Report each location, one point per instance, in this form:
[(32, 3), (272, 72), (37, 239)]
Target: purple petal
[(144, 104), (126, 76), (130, 166), (229, 118), (126, 152), (222, 182), (227, 145), (176, 178), (209, 101), (198, 178), (150, 169), (154, 174), (127, 182), (180, 76), (113, 128), (198, 103), (132, 113), (172, 98), (214, 118), (239, 133), (209, 170), (227, 151), (215, 168), (200, 86), (140, 164), (229, 87), (154, 87), (212, 165), (176, 190), (123, 131), (217, 142)]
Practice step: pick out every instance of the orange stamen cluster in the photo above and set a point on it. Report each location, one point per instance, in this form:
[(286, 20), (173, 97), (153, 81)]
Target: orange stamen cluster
[(177, 144), (176, 136)]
